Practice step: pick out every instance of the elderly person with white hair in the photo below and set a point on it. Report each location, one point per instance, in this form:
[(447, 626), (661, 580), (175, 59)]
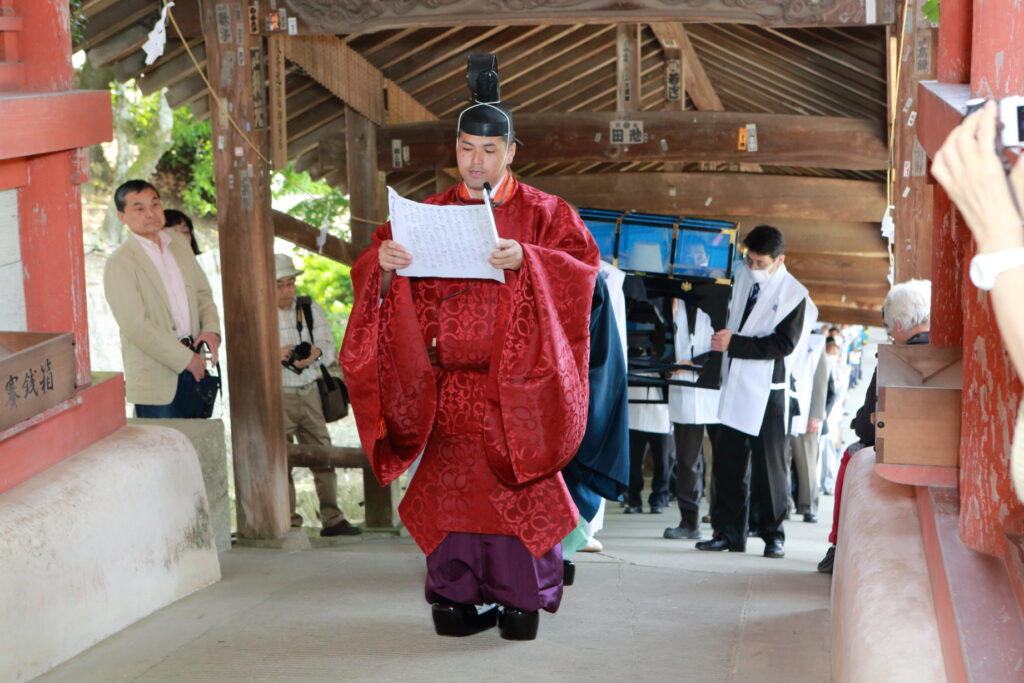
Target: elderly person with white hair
[(907, 316)]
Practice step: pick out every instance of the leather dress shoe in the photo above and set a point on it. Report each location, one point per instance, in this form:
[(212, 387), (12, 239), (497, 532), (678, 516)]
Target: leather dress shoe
[(515, 624), (342, 528), (568, 572), (633, 509), (657, 509), (458, 620), (682, 532), (718, 544), (706, 519), (810, 518), (774, 549)]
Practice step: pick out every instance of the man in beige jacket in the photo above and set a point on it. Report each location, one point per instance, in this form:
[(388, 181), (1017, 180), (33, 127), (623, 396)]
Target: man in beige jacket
[(163, 305)]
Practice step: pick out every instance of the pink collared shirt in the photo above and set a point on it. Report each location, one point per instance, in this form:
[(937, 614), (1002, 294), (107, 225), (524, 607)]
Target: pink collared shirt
[(174, 283)]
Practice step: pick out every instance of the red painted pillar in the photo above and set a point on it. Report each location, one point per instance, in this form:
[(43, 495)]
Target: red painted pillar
[(997, 60), (954, 57), (50, 205), (949, 243), (989, 508)]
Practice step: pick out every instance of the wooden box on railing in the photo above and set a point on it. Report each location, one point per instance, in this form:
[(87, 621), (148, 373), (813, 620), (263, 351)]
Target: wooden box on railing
[(918, 412), (37, 371)]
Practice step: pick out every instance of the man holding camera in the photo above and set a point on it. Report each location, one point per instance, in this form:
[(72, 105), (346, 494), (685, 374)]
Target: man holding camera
[(302, 346), (163, 305)]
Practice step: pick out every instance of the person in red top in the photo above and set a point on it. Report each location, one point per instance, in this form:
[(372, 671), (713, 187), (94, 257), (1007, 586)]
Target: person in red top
[(487, 380)]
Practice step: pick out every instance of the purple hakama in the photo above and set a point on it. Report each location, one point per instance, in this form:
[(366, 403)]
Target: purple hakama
[(476, 569)]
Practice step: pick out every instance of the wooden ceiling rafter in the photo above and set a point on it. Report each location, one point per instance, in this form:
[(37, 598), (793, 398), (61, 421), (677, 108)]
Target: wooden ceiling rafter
[(844, 43), (115, 19), (756, 77), (739, 78), (541, 57), (461, 48), (515, 93), (455, 66), (844, 65), (422, 47), (807, 84), (783, 52)]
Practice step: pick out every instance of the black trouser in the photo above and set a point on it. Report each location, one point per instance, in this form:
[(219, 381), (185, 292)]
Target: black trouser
[(737, 455), (689, 441), (661, 450)]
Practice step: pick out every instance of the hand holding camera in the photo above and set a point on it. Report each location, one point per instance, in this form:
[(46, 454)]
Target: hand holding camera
[(972, 172), (299, 357)]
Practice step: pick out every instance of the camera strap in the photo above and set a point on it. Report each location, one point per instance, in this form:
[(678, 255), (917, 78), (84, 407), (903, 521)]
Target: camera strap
[(304, 309)]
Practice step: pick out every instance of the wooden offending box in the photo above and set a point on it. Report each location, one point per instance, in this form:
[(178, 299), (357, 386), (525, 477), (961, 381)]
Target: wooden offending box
[(37, 371), (918, 413)]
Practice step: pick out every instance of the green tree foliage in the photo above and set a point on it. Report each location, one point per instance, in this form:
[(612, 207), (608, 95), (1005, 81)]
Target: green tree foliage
[(930, 10), (190, 159), (77, 21)]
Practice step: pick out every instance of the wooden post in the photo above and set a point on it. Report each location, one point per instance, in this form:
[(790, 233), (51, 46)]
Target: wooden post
[(367, 208), (367, 205), (911, 192), (235, 60)]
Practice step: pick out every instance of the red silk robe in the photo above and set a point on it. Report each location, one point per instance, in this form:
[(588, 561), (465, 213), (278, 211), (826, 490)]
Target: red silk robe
[(504, 407)]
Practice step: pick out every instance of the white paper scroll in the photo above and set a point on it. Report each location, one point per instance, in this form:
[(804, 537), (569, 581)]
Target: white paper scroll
[(445, 241)]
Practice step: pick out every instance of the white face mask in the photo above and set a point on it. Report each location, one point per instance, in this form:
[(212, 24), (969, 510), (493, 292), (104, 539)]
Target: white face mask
[(760, 276)]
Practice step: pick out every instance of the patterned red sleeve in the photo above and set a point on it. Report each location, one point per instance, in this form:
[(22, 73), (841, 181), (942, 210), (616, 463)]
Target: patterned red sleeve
[(379, 362)]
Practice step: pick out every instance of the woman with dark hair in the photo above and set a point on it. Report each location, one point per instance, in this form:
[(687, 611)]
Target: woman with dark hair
[(178, 221)]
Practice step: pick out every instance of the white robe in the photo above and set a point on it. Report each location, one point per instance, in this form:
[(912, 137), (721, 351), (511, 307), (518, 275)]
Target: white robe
[(692, 405), (804, 365), (747, 383)]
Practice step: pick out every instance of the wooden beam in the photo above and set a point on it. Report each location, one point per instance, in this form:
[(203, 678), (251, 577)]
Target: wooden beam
[(354, 80), (715, 194), (674, 38), (698, 86), (246, 234), (303, 234), (783, 140), (40, 123), (315, 455), (318, 17), (849, 316), (823, 236), (380, 502)]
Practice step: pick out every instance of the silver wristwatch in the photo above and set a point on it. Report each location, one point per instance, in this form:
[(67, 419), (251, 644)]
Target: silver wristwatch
[(985, 268)]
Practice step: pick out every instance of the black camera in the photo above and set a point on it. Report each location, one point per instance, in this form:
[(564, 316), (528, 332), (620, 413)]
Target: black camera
[(299, 352)]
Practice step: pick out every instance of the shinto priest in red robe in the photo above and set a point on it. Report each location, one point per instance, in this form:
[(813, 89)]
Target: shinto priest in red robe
[(487, 380)]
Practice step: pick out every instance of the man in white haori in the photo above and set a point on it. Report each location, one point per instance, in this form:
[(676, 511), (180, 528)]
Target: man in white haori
[(766, 324)]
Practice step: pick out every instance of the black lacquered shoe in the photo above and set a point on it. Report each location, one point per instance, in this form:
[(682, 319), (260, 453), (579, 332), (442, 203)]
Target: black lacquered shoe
[(718, 544), (461, 620), (516, 624), (568, 572), (774, 549)]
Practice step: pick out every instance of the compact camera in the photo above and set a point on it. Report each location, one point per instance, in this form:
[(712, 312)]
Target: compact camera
[(1011, 116), (1011, 119)]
